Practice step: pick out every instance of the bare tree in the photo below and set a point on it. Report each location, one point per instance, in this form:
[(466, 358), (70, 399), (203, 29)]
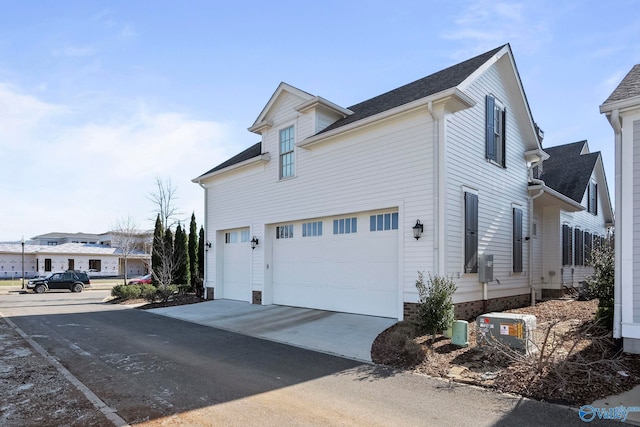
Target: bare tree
[(125, 237), (164, 198)]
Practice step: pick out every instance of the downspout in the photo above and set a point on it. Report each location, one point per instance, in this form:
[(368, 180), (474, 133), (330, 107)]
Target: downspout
[(206, 239), (438, 191), (617, 280), (531, 199)]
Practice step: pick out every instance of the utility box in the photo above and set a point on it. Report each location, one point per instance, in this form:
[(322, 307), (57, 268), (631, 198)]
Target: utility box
[(510, 329), (485, 268)]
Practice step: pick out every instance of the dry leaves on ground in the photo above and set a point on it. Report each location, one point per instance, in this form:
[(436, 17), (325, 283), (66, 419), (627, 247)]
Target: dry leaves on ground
[(576, 362)]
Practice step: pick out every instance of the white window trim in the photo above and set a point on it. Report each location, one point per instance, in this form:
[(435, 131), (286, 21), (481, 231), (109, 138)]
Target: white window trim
[(293, 151)]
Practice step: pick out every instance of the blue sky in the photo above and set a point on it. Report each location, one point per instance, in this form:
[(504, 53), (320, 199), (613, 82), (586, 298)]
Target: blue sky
[(97, 98)]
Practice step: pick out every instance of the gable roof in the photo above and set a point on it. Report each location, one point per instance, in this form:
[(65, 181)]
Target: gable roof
[(434, 83), (437, 82), (629, 87), (568, 171)]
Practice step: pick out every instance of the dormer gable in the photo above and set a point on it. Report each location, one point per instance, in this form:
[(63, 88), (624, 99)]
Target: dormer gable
[(287, 101)]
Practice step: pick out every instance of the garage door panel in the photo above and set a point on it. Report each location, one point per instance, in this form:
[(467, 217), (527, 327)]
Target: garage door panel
[(236, 271), (355, 273)]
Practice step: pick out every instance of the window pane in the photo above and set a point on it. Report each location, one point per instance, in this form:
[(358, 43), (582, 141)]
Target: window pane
[(387, 221), (347, 225), (394, 221), (354, 225), (372, 223), (335, 226), (342, 226), (320, 228), (315, 229), (380, 222)]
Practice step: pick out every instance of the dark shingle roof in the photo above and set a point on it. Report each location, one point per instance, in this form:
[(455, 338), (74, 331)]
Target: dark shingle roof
[(629, 87), (437, 82), (567, 171), (254, 151)]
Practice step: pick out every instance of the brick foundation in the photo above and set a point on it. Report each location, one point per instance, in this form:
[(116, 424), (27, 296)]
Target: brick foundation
[(470, 310), (256, 297)]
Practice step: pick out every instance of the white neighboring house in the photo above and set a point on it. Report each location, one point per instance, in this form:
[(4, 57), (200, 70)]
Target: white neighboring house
[(321, 213), (622, 109), (62, 251), (572, 214)]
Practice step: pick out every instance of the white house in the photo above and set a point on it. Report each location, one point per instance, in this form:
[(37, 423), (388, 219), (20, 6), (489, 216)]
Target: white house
[(622, 109), (321, 213), (572, 213), (98, 254)]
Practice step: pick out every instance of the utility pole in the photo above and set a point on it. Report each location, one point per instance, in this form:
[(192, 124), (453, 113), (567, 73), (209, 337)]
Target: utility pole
[(22, 262)]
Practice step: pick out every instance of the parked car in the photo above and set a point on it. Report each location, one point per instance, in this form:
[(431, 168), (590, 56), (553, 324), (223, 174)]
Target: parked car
[(73, 280), (144, 280)]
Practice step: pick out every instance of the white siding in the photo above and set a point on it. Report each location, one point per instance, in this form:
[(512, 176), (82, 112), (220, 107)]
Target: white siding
[(378, 167), (499, 189)]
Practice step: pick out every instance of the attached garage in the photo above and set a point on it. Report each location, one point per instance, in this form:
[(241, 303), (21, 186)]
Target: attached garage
[(346, 264), (236, 265)]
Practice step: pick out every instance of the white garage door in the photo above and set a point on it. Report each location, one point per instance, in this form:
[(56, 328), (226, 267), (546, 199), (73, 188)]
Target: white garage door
[(236, 277), (345, 264)]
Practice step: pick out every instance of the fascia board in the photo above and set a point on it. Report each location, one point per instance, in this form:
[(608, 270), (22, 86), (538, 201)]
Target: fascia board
[(572, 204), (319, 101), (621, 105), (262, 158), (452, 97)]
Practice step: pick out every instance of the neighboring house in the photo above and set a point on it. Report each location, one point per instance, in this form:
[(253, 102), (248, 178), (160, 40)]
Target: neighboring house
[(343, 206), (572, 214), (80, 251), (622, 109)]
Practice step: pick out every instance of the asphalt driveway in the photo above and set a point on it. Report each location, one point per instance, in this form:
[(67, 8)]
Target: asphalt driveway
[(341, 334)]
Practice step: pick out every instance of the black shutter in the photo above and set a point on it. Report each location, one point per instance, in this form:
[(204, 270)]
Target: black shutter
[(490, 134), (517, 240), (504, 138), (566, 244), (471, 233), (577, 258), (588, 248)]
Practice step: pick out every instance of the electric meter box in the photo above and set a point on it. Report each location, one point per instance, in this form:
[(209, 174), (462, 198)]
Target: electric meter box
[(512, 330)]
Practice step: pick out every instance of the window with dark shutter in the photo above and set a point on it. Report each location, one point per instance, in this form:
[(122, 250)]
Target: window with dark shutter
[(517, 240), (496, 131), (588, 248), (470, 232), (578, 239), (567, 247)]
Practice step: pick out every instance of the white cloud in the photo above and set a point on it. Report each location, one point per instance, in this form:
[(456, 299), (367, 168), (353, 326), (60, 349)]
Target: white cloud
[(59, 176)]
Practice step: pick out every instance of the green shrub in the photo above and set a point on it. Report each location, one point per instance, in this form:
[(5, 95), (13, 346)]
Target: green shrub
[(436, 299), (126, 292), (601, 282), (165, 292), (184, 289), (148, 292)]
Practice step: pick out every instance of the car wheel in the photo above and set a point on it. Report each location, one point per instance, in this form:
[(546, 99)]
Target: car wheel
[(39, 289), (77, 288)]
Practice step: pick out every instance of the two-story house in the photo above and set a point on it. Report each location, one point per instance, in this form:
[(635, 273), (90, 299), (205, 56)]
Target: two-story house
[(338, 208)]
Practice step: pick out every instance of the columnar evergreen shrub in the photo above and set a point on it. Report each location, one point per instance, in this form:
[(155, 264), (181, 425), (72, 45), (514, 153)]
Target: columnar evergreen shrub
[(601, 282)]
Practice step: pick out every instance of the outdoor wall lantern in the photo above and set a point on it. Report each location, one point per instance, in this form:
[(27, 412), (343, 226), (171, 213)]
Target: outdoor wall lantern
[(208, 245), (254, 242), (418, 229)]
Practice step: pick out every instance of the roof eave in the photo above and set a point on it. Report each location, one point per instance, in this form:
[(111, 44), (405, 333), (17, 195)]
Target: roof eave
[(320, 101), (453, 99), (623, 104), (262, 158), (565, 202)]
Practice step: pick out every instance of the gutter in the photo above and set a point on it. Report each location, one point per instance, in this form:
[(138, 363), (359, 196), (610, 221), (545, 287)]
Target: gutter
[(617, 282), (530, 239), (206, 239), (437, 168)]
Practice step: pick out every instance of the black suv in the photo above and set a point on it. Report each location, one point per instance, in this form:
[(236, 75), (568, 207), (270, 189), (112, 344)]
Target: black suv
[(73, 280)]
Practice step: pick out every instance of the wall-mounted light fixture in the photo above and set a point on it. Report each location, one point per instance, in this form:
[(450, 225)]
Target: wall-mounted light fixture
[(208, 245), (418, 229), (254, 242)]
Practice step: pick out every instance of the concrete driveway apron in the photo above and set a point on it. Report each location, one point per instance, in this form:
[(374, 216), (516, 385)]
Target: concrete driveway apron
[(341, 334)]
